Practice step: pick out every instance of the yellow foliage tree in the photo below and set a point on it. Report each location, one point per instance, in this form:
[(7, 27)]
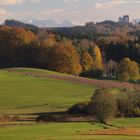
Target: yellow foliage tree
[(97, 58), (86, 62), (128, 70), (98, 63)]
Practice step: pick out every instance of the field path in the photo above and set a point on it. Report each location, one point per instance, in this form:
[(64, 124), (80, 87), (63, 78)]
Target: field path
[(98, 83), (76, 79), (121, 132)]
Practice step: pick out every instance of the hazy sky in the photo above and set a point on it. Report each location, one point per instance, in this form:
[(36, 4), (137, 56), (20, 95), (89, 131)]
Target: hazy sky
[(78, 11)]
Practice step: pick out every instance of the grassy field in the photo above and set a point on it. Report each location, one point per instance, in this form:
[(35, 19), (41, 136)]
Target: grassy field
[(22, 93), (25, 94), (68, 131)]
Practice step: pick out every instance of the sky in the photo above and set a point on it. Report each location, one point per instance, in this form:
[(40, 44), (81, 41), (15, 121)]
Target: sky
[(77, 11)]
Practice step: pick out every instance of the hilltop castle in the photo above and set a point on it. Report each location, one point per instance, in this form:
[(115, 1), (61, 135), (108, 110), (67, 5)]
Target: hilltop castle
[(124, 19)]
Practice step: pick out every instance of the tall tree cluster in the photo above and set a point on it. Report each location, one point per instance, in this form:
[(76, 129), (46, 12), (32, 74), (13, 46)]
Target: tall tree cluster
[(17, 47), (21, 47)]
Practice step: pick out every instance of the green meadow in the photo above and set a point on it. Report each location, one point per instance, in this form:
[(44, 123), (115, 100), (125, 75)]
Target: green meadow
[(26, 94), (67, 131)]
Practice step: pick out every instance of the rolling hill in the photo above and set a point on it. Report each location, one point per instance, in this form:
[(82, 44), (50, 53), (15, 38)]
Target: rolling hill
[(21, 91), (27, 91)]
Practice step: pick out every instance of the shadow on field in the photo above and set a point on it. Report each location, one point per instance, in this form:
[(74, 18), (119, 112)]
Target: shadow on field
[(50, 113), (62, 116)]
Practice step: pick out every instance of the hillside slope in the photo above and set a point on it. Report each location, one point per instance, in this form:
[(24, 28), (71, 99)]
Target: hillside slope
[(22, 94), (25, 91), (59, 76)]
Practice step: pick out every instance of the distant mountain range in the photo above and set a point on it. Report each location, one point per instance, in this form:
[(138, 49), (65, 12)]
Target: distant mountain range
[(34, 25), (15, 23), (49, 23)]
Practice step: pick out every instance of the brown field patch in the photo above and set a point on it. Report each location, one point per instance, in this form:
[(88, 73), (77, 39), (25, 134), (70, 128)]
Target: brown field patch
[(76, 79), (122, 131)]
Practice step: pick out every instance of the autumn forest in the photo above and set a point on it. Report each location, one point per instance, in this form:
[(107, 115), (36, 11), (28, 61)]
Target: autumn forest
[(74, 50)]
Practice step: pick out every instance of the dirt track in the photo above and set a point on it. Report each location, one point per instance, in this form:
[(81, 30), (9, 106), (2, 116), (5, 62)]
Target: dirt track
[(98, 83)]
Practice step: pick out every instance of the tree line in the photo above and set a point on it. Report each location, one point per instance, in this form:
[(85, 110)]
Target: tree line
[(21, 47), (104, 105)]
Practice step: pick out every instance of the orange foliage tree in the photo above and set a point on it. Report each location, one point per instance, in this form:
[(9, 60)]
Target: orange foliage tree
[(16, 47), (64, 58)]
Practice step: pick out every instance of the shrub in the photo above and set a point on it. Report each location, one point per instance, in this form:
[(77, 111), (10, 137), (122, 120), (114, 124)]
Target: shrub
[(46, 118), (81, 108)]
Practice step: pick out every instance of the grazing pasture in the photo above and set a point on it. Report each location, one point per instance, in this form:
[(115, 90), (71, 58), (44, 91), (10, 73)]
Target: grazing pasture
[(74, 131), (21, 94), (28, 92)]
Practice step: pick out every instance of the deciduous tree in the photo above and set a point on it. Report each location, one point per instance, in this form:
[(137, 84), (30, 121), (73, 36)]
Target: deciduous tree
[(103, 105), (128, 70)]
